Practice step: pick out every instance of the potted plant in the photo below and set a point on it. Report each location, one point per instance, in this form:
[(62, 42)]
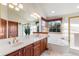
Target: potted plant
[(27, 30), (37, 22)]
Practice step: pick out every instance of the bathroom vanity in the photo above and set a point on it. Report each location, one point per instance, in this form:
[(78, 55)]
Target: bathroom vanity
[(34, 49), (33, 45)]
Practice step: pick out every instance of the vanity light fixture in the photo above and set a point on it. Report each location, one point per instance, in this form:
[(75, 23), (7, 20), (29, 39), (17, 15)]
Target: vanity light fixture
[(16, 6), (20, 6), (35, 14), (11, 6), (17, 9)]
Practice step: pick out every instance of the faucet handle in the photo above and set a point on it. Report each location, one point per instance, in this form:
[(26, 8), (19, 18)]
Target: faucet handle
[(9, 42)]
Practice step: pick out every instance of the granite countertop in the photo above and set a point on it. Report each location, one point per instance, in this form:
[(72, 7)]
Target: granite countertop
[(24, 41)]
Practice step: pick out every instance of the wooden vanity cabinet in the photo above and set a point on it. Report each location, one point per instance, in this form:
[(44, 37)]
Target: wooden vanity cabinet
[(40, 46), (28, 50), (43, 45), (15, 53), (3, 25), (37, 48), (21, 52), (12, 29)]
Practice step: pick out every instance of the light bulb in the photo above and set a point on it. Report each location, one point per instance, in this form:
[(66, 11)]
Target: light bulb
[(33, 16), (17, 9), (20, 6), (36, 15), (11, 6)]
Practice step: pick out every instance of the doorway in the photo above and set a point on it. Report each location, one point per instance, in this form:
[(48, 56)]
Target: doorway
[(73, 31)]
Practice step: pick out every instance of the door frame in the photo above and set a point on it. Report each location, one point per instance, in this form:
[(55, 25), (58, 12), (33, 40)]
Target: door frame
[(69, 27)]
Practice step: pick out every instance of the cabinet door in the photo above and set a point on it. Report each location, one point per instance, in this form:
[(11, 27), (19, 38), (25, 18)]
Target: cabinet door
[(45, 44), (12, 29), (3, 24), (21, 52), (42, 46), (28, 50), (37, 48)]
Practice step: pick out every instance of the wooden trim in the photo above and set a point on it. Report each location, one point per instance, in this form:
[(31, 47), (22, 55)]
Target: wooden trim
[(40, 32), (52, 19), (56, 32), (69, 31), (42, 18), (74, 17)]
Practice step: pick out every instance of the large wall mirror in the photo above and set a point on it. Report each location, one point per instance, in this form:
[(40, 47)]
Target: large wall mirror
[(74, 32)]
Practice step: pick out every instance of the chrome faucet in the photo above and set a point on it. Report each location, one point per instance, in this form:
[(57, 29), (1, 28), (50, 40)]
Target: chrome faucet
[(13, 41)]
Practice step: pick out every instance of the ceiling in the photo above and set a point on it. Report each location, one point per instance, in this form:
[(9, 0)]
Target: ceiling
[(46, 8)]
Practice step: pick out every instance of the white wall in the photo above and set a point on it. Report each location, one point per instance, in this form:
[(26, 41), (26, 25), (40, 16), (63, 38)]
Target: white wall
[(3, 12), (64, 30), (65, 23)]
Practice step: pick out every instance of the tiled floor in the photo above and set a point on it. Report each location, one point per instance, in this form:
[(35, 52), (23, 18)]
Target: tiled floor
[(56, 50)]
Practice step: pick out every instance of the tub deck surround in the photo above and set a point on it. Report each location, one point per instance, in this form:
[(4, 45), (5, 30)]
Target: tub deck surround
[(24, 41)]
